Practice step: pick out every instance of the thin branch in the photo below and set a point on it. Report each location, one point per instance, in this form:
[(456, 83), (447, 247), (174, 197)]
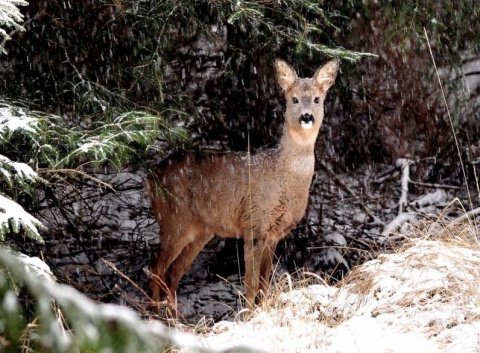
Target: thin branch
[(430, 185), (449, 118), (124, 276), (76, 171)]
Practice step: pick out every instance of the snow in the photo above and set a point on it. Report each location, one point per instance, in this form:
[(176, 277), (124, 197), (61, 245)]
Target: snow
[(14, 214), (88, 315), (10, 302), (69, 296), (431, 198), (365, 334), (397, 222), (35, 264), (10, 16), (422, 299), (13, 119), (91, 146), (404, 164), (336, 238), (22, 170)]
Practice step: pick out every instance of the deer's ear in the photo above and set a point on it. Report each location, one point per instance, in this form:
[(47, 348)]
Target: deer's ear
[(325, 76), (286, 75)]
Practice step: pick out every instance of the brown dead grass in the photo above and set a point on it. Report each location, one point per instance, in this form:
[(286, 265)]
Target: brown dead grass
[(438, 261)]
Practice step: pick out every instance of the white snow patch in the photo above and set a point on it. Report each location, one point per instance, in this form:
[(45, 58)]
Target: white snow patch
[(398, 222), (366, 334), (92, 145), (10, 302), (22, 170), (12, 119), (336, 238), (432, 198), (11, 212), (423, 299), (36, 265)]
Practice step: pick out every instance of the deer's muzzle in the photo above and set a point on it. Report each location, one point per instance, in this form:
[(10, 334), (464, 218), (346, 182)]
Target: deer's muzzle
[(306, 120)]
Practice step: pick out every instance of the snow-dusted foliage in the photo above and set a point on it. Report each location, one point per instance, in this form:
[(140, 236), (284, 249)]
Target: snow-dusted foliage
[(49, 141), (12, 216), (10, 16), (114, 141), (33, 265), (67, 321), (15, 170), (14, 121)]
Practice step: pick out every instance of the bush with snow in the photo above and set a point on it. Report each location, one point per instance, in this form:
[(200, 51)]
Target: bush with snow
[(10, 16), (17, 176), (66, 321)]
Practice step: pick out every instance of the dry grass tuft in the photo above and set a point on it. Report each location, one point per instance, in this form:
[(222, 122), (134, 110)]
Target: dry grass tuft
[(426, 290), (438, 266), (438, 263), (302, 299)]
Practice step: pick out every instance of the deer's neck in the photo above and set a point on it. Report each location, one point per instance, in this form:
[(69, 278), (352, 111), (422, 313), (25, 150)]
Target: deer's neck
[(296, 153)]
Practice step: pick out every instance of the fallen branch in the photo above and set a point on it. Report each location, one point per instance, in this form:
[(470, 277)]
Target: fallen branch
[(435, 186), (404, 164), (396, 223)]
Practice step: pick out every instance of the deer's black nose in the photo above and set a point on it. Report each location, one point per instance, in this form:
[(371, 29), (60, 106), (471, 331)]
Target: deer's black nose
[(306, 118)]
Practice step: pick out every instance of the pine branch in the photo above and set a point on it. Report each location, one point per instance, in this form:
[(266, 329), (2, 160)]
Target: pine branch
[(13, 218)]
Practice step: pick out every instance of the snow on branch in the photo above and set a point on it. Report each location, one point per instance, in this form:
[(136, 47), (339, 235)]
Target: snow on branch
[(16, 171), (14, 119), (10, 16), (408, 211), (33, 265), (117, 140), (13, 216), (105, 327)]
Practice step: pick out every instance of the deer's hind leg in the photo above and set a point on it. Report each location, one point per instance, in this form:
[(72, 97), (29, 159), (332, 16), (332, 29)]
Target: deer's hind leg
[(173, 240), (183, 262)]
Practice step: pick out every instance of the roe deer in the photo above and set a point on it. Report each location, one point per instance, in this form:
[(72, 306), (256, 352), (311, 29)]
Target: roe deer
[(259, 198)]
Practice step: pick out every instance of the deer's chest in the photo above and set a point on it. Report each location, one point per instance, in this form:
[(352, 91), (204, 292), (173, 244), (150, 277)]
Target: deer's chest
[(302, 167), (283, 207)]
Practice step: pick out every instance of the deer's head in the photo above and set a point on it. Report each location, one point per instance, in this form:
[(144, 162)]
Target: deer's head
[(304, 99)]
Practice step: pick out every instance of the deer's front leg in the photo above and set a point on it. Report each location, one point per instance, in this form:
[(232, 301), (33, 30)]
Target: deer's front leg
[(266, 267), (254, 248)]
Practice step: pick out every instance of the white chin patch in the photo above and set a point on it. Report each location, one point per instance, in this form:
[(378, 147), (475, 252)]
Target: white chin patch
[(307, 125)]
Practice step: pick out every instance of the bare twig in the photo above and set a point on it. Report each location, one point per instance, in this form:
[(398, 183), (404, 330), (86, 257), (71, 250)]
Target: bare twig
[(69, 171), (113, 267), (449, 118), (435, 186)]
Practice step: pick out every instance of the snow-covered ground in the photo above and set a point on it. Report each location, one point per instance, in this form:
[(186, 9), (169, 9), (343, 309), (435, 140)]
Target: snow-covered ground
[(423, 298)]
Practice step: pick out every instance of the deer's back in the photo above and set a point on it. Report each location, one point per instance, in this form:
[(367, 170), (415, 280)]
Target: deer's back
[(228, 192)]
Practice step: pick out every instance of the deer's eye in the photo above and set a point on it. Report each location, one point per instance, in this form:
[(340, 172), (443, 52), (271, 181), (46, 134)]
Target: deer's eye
[(316, 100), (295, 100)]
